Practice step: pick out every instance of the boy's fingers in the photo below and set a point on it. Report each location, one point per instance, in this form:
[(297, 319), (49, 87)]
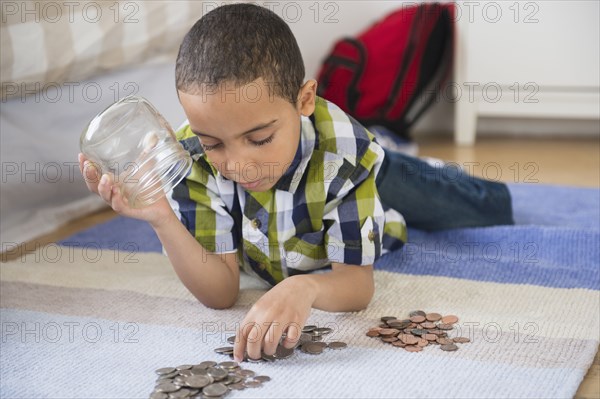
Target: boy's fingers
[(90, 173), (293, 332), (117, 202), (271, 339), (254, 340), (246, 332), (240, 345), (105, 189)]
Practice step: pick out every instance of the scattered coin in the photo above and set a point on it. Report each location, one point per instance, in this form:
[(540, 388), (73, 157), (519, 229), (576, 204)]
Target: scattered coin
[(205, 380), (216, 389), (418, 331), (450, 319), (461, 340), (449, 347), (337, 345), (311, 334)]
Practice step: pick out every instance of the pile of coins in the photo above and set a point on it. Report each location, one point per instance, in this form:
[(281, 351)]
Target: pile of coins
[(418, 331), (310, 341), (205, 380)]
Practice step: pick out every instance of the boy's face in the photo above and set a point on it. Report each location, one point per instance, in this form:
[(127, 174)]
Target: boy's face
[(249, 135)]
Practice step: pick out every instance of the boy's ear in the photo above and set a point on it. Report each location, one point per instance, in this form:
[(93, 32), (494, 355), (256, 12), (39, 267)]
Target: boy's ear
[(306, 97)]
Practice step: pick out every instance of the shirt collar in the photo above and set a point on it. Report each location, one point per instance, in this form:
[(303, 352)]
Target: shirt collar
[(290, 180)]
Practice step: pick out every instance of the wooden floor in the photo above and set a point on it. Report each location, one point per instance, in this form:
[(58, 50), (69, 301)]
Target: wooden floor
[(565, 161)]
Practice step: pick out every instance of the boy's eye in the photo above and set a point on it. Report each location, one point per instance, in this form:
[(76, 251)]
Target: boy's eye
[(210, 147), (265, 141), (256, 143)]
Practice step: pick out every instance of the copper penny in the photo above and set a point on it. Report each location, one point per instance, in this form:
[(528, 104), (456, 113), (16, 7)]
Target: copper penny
[(372, 333), (399, 344), (385, 319), (386, 332), (416, 313), (417, 319), (450, 319), (444, 341), (413, 348), (430, 337), (461, 340), (389, 339), (428, 325), (445, 326), (422, 342), (400, 325), (433, 316), (408, 339), (449, 347)]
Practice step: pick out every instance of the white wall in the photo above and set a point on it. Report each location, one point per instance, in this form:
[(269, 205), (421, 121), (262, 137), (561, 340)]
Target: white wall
[(317, 25)]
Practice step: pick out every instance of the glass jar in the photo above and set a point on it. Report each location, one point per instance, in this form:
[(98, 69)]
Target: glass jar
[(132, 141)]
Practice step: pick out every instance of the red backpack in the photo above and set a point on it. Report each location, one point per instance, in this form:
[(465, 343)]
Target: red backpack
[(394, 70)]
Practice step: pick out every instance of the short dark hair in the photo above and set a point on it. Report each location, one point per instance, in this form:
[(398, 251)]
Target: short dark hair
[(240, 43)]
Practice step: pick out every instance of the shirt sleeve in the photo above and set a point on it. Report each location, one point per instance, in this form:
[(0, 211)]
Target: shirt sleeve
[(355, 218), (198, 201)]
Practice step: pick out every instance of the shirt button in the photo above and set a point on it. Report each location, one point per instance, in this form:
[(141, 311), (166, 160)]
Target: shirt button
[(256, 224), (371, 235)]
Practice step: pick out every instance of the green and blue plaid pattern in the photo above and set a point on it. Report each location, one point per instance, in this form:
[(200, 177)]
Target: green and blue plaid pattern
[(324, 209)]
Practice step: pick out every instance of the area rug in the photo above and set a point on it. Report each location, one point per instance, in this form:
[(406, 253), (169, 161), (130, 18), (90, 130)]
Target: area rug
[(94, 315)]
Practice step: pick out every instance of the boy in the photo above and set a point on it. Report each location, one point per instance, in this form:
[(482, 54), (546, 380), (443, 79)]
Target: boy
[(286, 183)]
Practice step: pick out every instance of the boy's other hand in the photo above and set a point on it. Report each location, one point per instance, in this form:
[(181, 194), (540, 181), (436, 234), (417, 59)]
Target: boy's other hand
[(104, 186), (284, 308)]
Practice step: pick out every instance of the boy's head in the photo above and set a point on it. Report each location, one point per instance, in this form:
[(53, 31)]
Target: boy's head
[(239, 77)]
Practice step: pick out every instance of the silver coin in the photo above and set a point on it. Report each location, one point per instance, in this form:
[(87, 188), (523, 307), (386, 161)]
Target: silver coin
[(283, 353), (231, 340), (312, 348), (262, 378), (228, 380), (268, 358), (337, 345), (165, 370), (322, 345), (186, 373), (197, 381), (252, 384), (180, 381), (248, 358), (323, 330), (217, 373), (305, 337), (206, 364), (308, 328), (158, 395), (235, 378), (246, 373), (224, 349), (184, 367), (216, 389), (169, 376), (166, 387), (238, 386), (181, 394), (229, 365), (196, 371)]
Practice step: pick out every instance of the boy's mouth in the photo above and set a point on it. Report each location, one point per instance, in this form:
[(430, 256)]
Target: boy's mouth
[(251, 185)]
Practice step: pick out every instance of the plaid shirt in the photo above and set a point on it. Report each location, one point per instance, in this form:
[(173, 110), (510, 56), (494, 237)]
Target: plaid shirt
[(324, 209)]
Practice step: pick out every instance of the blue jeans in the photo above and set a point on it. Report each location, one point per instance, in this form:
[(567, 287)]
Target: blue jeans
[(436, 198)]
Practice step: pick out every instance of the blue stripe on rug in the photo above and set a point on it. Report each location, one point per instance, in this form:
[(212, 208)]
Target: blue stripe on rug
[(555, 242)]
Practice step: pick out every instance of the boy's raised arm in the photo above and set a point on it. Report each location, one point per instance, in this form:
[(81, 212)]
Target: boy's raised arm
[(212, 279)]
